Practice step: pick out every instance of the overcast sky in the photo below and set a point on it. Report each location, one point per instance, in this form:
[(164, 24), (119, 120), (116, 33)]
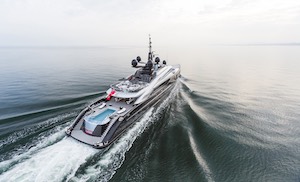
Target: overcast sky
[(128, 22)]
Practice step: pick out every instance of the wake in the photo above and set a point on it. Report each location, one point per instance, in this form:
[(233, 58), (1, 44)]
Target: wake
[(58, 158), (57, 162)]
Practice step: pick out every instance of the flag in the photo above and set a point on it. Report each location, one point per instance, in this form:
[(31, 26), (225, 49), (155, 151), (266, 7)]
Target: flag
[(110, 94)]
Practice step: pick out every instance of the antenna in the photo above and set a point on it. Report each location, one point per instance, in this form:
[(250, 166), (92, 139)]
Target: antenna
[(150, 55)]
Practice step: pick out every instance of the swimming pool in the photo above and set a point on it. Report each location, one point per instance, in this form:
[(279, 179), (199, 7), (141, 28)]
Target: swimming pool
[(101, 116), (92, 121)]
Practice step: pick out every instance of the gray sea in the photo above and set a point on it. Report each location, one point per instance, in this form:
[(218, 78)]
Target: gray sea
[(234, 115)]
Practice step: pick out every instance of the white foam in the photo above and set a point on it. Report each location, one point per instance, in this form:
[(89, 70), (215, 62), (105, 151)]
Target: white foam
[(57, 162), (15, 136), (44, 142)]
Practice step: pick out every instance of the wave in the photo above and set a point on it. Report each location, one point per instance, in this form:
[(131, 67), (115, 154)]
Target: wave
[(202, 162), (233, 120), (229, 134)]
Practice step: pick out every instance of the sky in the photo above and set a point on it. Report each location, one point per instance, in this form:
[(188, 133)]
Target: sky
[(128, 22)]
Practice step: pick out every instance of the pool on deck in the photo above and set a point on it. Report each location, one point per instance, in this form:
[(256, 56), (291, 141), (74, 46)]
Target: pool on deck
[(101, 116), (91, 122)]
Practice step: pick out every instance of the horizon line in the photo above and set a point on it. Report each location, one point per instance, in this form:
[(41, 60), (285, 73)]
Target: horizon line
[(140, 46)]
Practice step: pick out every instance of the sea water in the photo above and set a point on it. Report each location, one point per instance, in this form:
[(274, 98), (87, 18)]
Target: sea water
[(233, 115)]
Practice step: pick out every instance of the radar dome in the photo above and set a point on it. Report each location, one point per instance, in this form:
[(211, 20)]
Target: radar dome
[(157, 60), (134, 63)]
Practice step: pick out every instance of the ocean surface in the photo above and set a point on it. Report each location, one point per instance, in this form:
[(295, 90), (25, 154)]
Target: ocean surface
[(234, 115)]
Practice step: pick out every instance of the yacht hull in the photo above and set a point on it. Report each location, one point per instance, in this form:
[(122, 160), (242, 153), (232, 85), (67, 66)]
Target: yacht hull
[(120, 126)]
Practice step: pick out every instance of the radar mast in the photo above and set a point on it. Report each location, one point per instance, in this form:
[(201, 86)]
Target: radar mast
[(150, 55)]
